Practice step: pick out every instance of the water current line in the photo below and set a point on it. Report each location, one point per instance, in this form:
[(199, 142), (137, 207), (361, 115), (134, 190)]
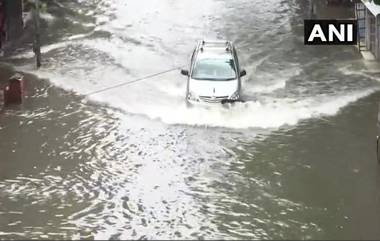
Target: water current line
[(132, 81)]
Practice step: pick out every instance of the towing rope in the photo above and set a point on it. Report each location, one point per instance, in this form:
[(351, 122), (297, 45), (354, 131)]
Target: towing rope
[(132, 81)]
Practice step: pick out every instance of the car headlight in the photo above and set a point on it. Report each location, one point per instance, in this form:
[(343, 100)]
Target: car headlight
[(235, 96), (192, 96)]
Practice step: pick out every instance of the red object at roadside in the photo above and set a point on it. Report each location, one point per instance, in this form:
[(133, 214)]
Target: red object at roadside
[(14, 90)]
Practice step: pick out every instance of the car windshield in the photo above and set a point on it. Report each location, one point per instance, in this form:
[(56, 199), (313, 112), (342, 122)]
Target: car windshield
[(214, 69)]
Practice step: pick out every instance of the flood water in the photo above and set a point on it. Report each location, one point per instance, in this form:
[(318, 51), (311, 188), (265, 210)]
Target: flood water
[(297, 160)]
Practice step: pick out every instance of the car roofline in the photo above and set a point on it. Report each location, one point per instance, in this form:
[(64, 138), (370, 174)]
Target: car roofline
[(227, 45)]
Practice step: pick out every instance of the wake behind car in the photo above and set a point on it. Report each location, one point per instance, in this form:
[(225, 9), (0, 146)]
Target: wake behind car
[(214, 75)]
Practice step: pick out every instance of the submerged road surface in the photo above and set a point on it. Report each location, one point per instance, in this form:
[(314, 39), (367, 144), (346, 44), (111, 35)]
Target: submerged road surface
[(295, 161)]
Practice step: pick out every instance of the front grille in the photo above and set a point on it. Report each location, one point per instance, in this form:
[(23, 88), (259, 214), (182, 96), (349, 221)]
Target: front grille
[(216, 99)]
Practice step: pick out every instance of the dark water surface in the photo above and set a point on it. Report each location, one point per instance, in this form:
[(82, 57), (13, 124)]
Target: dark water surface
[(296, 160)]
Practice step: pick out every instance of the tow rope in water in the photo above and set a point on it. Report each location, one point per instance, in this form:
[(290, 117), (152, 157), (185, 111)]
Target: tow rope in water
[(132, 81)]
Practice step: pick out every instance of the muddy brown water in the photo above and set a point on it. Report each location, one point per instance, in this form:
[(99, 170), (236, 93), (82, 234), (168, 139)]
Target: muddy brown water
[(296, 161)]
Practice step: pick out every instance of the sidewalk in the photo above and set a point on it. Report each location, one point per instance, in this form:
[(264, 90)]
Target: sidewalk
[(370, 62), (322, 10)]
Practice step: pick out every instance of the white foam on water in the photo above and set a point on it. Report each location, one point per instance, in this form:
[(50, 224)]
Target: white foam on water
[(244, 115), (47, 17), (271, 81), (44, 49), (270, 87)]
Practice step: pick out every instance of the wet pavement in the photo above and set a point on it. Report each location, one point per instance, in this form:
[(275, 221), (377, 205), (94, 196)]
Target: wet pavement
[(295, 161)]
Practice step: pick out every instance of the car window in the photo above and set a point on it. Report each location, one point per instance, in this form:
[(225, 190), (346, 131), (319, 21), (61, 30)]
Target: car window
[(214, 69)]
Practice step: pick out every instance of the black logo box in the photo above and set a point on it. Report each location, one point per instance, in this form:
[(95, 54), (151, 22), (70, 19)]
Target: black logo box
[(324, 23)]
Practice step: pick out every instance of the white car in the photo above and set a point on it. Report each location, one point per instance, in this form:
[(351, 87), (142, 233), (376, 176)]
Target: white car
[(215, 74)]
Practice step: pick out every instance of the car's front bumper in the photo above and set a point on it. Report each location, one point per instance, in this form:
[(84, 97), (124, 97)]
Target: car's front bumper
[(200, 102)]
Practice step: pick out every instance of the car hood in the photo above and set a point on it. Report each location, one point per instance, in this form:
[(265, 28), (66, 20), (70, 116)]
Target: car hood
[(213, 88)]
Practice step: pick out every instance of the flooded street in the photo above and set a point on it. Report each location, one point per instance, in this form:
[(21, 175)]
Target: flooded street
[(297, 160)]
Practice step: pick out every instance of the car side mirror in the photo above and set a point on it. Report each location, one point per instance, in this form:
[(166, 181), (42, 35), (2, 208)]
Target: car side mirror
[(185, 72), (243, 73)]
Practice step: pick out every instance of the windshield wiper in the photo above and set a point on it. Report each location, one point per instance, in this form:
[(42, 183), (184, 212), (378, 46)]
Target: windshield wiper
[(214, 79)]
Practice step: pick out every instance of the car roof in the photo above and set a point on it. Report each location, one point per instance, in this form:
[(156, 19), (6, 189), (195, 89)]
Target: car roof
[(215, 49)]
